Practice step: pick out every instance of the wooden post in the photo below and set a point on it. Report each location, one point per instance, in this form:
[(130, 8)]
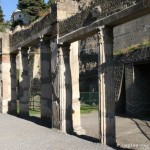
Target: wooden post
[(106, 97)]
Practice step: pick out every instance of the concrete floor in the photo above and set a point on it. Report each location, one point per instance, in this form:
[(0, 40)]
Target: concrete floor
[(130, 133)]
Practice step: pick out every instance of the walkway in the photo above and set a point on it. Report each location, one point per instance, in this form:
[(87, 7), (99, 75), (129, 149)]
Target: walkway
[(131, 133), (20, 134)]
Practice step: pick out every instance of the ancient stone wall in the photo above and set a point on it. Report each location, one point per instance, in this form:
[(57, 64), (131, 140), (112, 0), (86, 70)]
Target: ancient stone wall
[(95, 10), (131, 33), (33, 29)]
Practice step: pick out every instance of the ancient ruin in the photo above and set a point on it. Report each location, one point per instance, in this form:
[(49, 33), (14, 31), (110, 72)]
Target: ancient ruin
[(55, 39)]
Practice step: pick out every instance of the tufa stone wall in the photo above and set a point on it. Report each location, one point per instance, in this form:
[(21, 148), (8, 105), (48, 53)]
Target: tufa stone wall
[(133, 32), (95, 10), (33, 29)]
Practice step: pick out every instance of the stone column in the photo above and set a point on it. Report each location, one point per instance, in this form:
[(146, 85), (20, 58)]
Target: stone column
[(6, 82), (74, 62), (65, 89), (13, 103), (24, 83), (106, 86), (46, 85)]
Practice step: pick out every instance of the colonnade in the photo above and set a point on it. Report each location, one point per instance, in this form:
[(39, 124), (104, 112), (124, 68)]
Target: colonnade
[(60, 85)]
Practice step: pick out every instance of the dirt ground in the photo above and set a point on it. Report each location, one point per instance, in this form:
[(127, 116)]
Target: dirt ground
[(130, 133)]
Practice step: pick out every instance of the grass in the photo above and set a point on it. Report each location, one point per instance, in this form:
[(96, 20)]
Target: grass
[(34, 113), (145, 43), (84, 110), (88, 108), (31, 112)]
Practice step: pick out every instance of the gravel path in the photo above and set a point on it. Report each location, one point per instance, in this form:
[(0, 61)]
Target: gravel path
[(20, 134), (130, 133)]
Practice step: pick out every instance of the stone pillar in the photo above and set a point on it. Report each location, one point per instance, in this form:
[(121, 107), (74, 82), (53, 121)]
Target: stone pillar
[(13, 103), (55, 82), (6, 82), (24, 83), (74, 62), (46, 85), (65, 89), (106, 86)]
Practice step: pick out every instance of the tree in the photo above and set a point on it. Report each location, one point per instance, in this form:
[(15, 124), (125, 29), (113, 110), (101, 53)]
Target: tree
[(32, 8), (50, 2), (1, 15)]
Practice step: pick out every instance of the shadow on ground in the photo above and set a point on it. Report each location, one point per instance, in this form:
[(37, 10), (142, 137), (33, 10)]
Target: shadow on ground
[(37, 120)]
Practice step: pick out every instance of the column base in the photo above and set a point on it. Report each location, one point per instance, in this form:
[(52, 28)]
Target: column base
[(23, 110), (12, 107), (77, 118), (5, 105), (79, 130)]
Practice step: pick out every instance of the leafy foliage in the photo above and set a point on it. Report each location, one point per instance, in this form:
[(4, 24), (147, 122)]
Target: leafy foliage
[(50, 2), (4, 26), (1, 15), (17, 22), (33, 8)]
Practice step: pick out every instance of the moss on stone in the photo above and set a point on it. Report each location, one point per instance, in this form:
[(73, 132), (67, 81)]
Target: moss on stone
[(145, 43)]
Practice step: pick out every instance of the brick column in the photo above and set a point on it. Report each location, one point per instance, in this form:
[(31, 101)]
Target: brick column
[(5, 83), (12, 109), (46, 85), (65, 89), (24, 83), (106, 97)]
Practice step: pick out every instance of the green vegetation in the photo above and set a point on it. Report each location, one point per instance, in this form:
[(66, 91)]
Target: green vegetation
[(89, 98), (4, 26), (50, 2), (31, 112), (88, 108), (1, 15), (17, 22), (34, 8), (34, 113), (145, 43)]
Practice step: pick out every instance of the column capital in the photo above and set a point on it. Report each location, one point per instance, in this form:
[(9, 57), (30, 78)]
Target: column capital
[(44, 38), (64, 51), (13, 57), (105, 32)]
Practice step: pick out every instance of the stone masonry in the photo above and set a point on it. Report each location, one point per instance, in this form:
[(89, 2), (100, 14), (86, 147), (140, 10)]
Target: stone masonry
[(60, 28)]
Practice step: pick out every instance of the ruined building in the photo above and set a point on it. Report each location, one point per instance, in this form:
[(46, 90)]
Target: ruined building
[(56, 38)]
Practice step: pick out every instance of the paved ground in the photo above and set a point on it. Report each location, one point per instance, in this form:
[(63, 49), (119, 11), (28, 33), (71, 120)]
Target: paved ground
[(131, 133), (19, 134)]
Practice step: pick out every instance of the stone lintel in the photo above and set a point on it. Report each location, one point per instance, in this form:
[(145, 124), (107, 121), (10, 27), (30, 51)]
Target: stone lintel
[(126, 15)]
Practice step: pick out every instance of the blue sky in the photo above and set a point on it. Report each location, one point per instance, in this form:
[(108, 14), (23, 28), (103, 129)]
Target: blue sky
[(8, 7)]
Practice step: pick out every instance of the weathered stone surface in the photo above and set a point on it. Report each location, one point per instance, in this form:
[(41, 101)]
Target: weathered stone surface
[(106, 90), (12, 108), (46, 84), (82, 18), (74, 64), (24, 83), (65, 89), (30, 32), (132, 33), (5, 94)]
